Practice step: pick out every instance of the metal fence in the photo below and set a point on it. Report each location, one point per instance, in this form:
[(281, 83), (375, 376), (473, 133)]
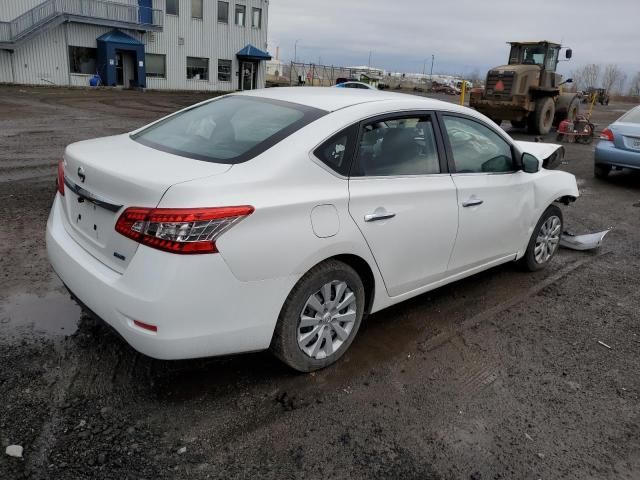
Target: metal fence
[(99, 9), (314, 75)]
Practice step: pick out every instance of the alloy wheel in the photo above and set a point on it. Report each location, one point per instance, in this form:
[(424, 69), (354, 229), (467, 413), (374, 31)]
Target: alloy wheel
[(548, 239), (327, 320)]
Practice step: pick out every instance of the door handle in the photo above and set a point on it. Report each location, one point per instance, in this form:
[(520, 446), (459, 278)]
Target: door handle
[(472, 202), (384, 215)]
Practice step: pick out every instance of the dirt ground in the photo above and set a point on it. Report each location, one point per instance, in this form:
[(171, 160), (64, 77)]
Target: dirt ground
[(499, 376)]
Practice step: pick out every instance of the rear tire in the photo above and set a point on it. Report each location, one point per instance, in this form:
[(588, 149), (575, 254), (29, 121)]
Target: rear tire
[(542, 119), (601, 171), (329, 327), (545, 240)]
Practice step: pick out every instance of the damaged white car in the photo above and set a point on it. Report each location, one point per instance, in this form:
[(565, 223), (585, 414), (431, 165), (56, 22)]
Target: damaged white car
[(280, 218)]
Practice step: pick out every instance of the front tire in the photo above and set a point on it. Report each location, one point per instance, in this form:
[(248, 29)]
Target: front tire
[(545, 240), (320, 317), (542, 119)]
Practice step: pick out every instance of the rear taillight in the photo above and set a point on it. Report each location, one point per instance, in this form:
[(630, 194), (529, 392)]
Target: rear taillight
[(606, 134), (60, 178), (180, 230)]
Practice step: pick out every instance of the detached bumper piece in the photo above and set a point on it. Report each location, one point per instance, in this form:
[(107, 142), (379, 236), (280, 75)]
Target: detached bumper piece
[(589, 241)]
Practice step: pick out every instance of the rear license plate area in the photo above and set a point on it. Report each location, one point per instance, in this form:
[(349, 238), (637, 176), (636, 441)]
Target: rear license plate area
[(90, 220)]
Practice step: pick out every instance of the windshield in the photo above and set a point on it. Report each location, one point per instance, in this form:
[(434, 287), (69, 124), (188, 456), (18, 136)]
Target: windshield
[(527, 55), (229, 130)]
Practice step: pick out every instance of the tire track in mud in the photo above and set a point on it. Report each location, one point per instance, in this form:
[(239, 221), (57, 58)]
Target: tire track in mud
[(476, 320), (38, 461)]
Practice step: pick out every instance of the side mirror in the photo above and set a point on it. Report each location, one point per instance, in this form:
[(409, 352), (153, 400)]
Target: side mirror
[(568, 54), (530, 164)]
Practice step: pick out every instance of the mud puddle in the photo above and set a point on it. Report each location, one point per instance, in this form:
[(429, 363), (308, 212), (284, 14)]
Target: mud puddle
[(52, 314)]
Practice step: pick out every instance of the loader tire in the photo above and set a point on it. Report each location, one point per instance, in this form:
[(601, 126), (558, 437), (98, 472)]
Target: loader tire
[(541, 120)]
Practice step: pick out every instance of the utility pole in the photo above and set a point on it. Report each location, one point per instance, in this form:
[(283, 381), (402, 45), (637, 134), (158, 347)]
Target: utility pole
[(433, 57), (295, 51), (369, 64)]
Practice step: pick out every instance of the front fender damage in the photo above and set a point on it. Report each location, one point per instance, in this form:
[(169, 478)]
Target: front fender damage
[(549, 154)]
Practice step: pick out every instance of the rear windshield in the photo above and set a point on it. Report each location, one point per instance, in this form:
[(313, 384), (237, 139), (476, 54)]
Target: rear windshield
[(229, 130), (632, 116)]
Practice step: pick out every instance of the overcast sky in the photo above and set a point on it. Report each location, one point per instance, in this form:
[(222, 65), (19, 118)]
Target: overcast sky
[(464, 35)]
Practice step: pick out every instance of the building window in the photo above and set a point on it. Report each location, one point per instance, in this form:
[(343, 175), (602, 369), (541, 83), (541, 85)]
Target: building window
[(197, 68), (83, 60), (223, 12), (241, 11), (156, 65), (196, 9), (256, 18), (172, 7), (224, 70)]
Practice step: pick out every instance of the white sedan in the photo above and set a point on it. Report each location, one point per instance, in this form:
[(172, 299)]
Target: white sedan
[(281, 218)]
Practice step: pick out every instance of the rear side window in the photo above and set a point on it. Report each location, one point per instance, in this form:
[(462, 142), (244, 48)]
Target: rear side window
[(337, 152), (230, 130), (397, 146), (632, 116)]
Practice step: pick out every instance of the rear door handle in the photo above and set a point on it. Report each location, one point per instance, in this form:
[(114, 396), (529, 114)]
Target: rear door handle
[(472, 202), (378, 215)]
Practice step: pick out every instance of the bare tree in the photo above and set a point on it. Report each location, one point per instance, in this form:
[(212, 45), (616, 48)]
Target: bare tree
[(634, 89), (586, 76), (591, 75), (612, 77)]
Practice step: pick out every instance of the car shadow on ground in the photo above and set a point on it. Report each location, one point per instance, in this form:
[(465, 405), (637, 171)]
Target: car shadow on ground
[(624, 178), (391, 334)]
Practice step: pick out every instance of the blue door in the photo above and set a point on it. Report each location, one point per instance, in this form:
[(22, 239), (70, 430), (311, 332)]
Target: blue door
[(145, 13)]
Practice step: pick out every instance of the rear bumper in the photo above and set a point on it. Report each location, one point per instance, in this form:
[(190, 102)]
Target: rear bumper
[(608, 154), (199, 307)]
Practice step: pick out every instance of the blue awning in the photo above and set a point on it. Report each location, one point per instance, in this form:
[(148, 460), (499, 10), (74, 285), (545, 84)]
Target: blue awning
[(252, 53), (116, 36)]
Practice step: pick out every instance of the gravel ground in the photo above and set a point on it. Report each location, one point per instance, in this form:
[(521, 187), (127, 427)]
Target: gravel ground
[(499, 376)]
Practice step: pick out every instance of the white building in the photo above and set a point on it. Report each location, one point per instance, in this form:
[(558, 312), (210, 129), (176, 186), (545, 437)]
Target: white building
[(160, 44)]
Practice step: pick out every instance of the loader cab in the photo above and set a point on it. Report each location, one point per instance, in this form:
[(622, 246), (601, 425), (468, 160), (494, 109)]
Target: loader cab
[(543, 54)]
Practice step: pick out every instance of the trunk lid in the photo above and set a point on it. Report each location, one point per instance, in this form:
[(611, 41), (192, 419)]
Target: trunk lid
[(107, 175), (626, 136)]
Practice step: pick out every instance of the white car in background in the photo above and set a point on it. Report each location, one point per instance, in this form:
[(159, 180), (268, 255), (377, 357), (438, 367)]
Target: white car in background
[(280, 218)]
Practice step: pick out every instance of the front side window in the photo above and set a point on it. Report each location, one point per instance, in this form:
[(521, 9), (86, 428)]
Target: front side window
[(83, 60), (476, 148), (223, 12), (240, 14), (398, 146), (337, 152), (156, 65), (229, 130), (196, 9), (256, 18), (172, 7), (224, 70), (197, 68)]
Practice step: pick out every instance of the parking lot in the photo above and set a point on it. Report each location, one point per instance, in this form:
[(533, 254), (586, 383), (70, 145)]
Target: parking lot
[(499, 376)]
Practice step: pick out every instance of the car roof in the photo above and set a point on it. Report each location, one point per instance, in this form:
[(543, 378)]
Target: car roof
[(332, 99)]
